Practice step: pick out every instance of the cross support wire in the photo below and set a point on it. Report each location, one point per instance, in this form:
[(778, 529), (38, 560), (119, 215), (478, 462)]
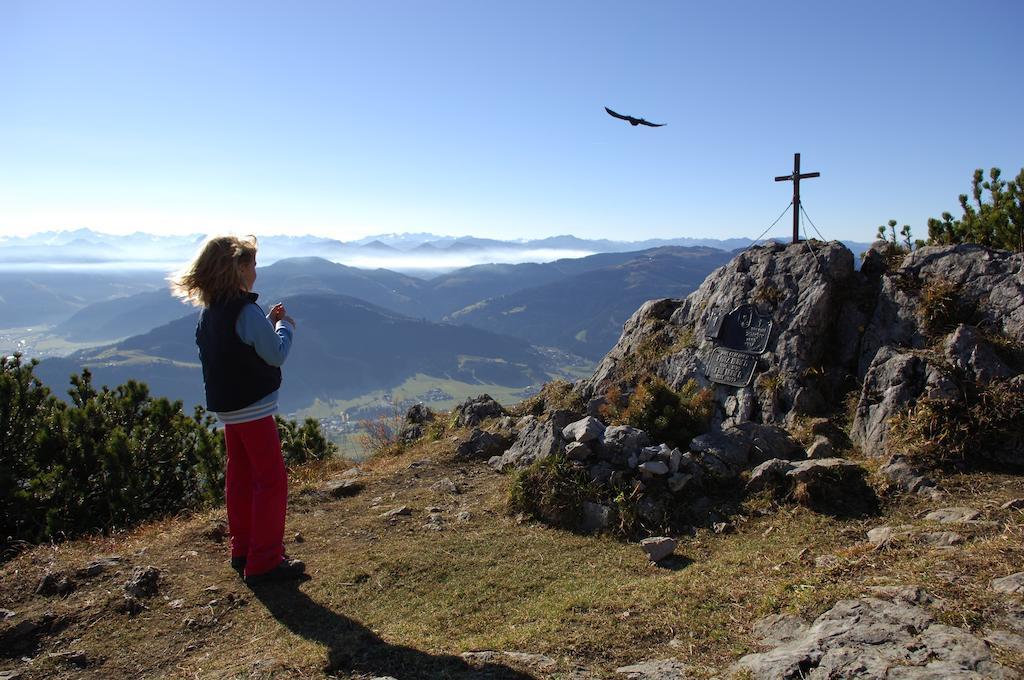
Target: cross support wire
[(795, 178)]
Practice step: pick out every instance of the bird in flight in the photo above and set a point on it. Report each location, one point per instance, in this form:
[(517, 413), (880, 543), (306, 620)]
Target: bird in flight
[(632, 121)]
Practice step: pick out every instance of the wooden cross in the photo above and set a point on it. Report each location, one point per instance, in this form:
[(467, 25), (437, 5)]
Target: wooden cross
[(795, 178)]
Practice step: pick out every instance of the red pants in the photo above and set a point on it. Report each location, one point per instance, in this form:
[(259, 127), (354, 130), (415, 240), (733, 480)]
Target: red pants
[(256, 490)]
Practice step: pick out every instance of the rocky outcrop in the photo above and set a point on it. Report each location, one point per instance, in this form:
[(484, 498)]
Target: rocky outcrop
[(989, 293), (943, 323), (931, 335), (871, 637), (671, 487), (415, 422), (816, 303)]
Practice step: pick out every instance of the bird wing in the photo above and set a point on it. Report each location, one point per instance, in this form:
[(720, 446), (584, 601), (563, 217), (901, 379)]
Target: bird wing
[(617, 115), (644, 122)]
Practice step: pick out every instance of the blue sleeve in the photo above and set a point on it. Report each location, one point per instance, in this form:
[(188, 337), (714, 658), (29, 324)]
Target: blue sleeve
[(270, 342)]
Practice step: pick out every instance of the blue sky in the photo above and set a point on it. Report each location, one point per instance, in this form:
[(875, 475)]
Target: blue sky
[(347, 119)]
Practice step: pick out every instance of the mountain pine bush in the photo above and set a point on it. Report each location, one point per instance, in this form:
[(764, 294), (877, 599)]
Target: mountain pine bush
[(110, 458)]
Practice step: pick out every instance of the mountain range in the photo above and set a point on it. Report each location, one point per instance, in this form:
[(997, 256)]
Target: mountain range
[(344, 347)]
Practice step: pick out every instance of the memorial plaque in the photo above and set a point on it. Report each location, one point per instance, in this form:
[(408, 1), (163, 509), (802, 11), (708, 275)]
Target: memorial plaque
[(745, 330), (739, 337), (730, 367)]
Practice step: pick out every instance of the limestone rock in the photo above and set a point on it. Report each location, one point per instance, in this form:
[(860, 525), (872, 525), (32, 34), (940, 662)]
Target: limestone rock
[(55, 583), (1013, 584), (658, 547), (941, 539), (883, 535), (536, 440), (481, 445), (770, 441), (596, 517), (802, 286), (874, 638), (341, 488), (474, 411), (620, 442), (395, 513), (98, 565), (988, 282), (144, 582), (654, 467), (821, 448), (968, 351), (663, 669), (586, 430), (901, 474), (952, 515), (578, 451)]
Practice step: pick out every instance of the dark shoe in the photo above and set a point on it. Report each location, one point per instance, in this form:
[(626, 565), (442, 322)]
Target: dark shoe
[(286, 570), (238, 564)]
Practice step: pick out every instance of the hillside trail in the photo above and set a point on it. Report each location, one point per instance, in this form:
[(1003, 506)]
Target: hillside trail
[(453, 586)]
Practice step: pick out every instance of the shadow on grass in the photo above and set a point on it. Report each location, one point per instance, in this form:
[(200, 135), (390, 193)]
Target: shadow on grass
[(354, 648), (674, 563)]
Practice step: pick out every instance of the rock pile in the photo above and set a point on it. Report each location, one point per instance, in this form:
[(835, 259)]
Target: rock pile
[(674, 487)]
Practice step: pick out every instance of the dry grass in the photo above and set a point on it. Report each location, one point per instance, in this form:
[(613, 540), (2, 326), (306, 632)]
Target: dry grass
[(400, 598)]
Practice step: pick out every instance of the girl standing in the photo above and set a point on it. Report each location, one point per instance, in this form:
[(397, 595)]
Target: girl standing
[(242, 351)]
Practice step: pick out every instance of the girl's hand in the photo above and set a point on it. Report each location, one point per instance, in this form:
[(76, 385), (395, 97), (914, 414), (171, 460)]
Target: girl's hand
[(277, 312)]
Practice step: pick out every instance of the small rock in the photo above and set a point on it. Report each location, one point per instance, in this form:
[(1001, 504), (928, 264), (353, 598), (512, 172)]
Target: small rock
[(131, 605), (585, 430), (351, 473), (6, 614), (654, 467), (664, 669), (341, 488), (821, 448), (298, 537), (880, 535), (723, 527), (176, 604), (75, 658), (827, 562), (217, 531), (674, 460), (464, 516), (680, 481), (445, 485), (952, 515), (100, 564), (1005, 639), (578, 451), (391, 514), (941, 539), (144, 582), (595, 517), (658, 547), (55, 583), (1012, 584)]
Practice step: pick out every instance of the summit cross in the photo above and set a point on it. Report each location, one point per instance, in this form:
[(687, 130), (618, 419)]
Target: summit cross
[(795, 178)]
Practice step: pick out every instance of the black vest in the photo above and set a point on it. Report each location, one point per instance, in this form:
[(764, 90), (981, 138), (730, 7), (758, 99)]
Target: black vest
[(234, 374)]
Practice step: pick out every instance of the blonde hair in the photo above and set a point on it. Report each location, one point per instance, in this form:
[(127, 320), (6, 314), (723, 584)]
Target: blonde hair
[(214, 275)]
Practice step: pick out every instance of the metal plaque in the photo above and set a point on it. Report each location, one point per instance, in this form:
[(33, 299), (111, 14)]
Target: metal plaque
[(744, 329), (730, 367)]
